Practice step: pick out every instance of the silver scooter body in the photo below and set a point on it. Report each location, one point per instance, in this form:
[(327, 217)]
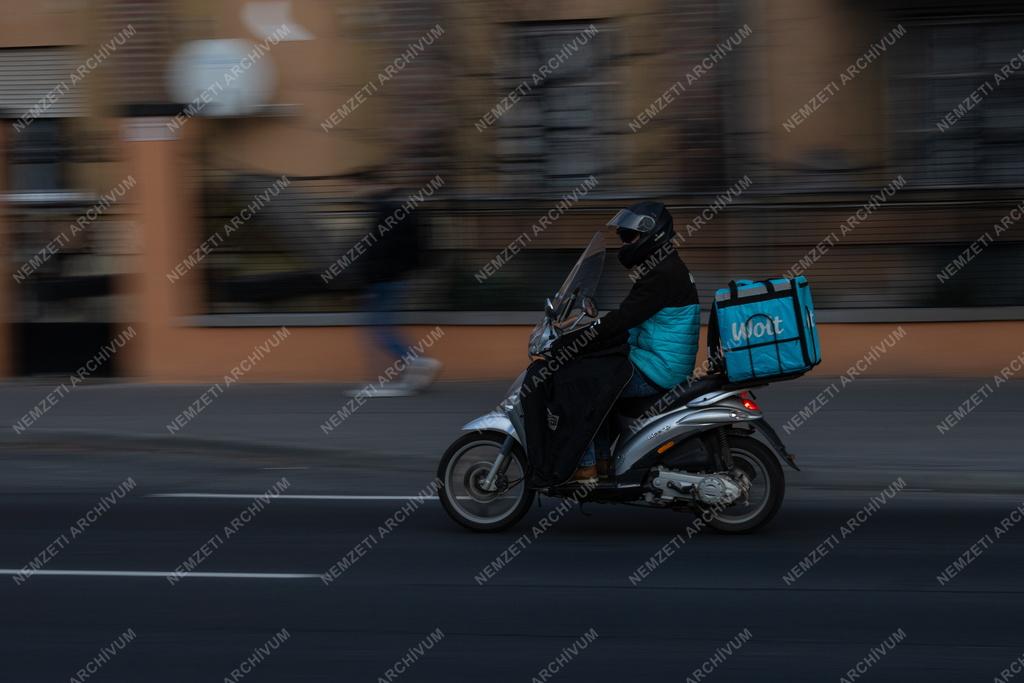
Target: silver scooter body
[(705, 412), (678, 425)]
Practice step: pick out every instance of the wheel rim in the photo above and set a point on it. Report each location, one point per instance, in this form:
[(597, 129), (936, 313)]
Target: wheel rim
[(467, 468), (758, 495)]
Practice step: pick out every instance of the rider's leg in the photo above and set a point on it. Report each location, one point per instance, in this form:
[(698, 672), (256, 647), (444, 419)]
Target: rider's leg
[(640, 386), (595, 460), (587, 471), (601, 445), (589, 456)]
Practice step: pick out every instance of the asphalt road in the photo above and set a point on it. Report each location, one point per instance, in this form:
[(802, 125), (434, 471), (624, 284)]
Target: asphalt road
[(419, 579), (864, 434)]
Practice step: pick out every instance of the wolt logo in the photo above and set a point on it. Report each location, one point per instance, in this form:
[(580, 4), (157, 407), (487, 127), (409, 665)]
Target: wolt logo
[(755, 329)]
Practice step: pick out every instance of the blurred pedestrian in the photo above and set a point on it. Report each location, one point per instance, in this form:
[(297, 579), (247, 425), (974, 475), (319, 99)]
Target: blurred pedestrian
[(396, 241)]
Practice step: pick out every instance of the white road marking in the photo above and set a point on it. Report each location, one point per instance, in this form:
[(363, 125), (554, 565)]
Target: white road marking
[(290, 496), (181, 575)]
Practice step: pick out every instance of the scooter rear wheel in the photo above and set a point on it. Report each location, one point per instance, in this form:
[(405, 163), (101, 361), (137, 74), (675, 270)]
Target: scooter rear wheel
[(461, 470), (768, 488)]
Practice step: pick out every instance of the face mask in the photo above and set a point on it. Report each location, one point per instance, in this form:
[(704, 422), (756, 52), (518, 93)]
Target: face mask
[(627, 236), (636, 252), (633, 254)]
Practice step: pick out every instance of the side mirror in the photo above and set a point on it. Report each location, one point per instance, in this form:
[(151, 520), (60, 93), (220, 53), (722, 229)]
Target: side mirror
[(589, 307)]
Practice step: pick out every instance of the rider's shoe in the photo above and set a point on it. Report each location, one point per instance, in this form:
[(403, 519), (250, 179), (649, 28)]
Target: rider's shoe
[(584, 475)]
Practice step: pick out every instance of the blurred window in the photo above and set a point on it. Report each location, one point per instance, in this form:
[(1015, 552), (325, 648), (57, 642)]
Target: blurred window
[(936, 71), (556, 135), (38, 157), (37, 92)]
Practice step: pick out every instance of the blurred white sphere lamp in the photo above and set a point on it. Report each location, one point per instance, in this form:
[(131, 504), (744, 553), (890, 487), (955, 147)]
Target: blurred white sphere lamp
[(221, 78)]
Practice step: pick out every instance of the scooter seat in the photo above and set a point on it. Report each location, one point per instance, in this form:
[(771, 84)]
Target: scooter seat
[(675, 397)]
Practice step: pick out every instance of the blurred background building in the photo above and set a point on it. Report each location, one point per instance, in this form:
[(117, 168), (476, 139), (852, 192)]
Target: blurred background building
[(812, 106)]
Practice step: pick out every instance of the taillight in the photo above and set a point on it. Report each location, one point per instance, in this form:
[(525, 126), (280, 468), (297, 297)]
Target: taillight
[(748, 401)]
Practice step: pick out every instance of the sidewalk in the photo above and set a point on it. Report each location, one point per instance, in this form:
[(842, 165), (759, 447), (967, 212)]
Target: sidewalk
[(864, 435)]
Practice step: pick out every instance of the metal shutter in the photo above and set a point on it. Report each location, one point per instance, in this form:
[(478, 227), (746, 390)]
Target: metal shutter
[(27, 75)]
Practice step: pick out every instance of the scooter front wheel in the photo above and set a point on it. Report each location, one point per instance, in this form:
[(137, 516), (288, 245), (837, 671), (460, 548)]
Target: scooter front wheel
[(462, 472)]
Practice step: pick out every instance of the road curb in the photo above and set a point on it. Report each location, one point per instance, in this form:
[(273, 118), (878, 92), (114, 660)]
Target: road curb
[(121, 441)]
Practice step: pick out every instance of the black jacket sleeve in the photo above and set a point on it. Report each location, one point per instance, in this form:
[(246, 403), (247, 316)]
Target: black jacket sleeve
[(648, 296)]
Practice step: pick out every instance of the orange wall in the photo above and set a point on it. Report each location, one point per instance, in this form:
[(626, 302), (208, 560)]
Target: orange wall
[(26, 24), (333, 354), (339, 354), (166, 219)]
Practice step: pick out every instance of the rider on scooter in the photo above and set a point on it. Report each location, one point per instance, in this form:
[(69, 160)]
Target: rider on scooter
[(660, 315)]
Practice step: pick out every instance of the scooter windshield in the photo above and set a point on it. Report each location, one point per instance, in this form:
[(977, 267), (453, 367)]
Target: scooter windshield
[(582, 280), (569, 301)]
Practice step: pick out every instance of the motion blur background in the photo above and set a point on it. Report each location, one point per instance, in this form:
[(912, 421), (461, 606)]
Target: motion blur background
[(346, 98), (136, 134)]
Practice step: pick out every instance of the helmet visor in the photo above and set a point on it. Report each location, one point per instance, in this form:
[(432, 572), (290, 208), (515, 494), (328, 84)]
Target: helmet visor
[(632, 221)]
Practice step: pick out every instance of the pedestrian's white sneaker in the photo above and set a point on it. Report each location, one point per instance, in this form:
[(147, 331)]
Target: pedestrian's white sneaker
[(390, 389), (421, 372), (393, 389), (417, 376)]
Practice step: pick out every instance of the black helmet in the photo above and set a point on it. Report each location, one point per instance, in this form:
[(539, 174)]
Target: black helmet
[(643, 228)]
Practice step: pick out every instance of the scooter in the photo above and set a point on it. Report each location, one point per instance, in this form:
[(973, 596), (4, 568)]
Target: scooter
[(702, 447)]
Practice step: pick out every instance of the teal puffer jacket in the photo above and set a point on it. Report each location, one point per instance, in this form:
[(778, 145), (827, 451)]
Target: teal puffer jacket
[(664, 347)]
